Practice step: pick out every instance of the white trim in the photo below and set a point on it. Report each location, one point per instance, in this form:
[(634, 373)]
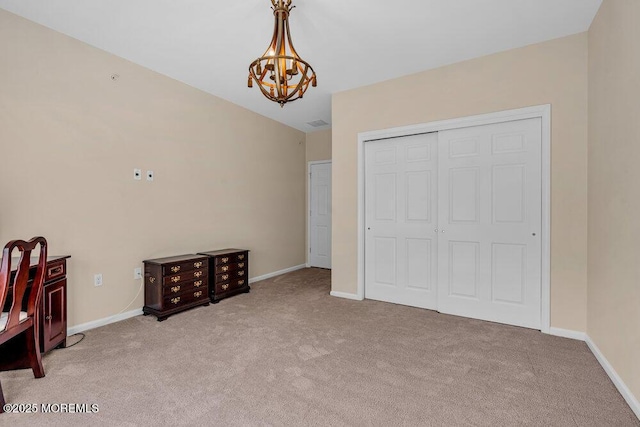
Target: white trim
[(104, 321), (567, 333), (545, 232), (345, 295), (277, 273), (137, 312), (541, 111), (309, 164), (632, 401)]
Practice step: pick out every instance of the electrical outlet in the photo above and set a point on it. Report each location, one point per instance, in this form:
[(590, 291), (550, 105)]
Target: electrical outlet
[(149, 175), (97, 279), (137, 174), (137, 273)]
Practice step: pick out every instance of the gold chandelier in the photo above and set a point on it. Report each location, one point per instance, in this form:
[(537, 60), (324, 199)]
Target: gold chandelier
[(280, 73)]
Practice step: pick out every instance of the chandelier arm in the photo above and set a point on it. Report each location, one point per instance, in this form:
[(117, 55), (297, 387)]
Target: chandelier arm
[(302, 79), (304, 90), (279, 51), (293, 49), (260, 85)]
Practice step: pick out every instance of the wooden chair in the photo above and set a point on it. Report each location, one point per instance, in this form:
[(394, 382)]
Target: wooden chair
[(19, 301)]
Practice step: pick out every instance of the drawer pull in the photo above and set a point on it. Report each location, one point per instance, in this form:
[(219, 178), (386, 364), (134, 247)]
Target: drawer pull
[(197, 274), (49, 317), (240, 282), (175, 279), (197, 284), (175, 269), (55, 270), (175, 289), (175, 300), (224, 260), (225, 268), (197, 294), (241, 273), (197, 264), (240, 257), (241, 265), (152, 279), (225, 276), (225, 287)]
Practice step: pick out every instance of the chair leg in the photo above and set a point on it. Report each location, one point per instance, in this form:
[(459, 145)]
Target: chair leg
[(33, 353), (2, 402)]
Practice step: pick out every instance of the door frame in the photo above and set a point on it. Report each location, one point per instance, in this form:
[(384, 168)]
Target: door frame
[(541, 111), (309, 164)]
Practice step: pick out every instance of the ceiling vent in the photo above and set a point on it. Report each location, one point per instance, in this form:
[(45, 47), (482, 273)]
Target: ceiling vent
[(317, 123)]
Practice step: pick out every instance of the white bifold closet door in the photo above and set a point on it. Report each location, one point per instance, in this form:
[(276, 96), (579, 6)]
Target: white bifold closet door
[(453, 221), (400, 243), (490, 198)]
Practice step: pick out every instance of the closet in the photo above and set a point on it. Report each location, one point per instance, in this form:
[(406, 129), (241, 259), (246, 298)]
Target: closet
[(453, 221)]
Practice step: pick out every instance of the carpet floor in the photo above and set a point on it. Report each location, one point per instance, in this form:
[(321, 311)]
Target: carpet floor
[(289, 354)]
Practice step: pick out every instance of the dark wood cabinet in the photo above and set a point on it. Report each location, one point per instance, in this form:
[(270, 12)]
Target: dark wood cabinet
[(53, 313), (54, 318), (228, 273), (175, 284)]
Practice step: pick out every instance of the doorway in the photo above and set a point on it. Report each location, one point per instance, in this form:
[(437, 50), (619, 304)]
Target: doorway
[(319, 235)]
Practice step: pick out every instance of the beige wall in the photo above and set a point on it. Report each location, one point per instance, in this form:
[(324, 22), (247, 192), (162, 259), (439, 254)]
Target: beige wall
[(614, 196), (554, 73), (319, 145), (70, 138)]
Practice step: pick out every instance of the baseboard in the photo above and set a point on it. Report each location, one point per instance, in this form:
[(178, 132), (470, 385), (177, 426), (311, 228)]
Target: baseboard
[(277, 273), (567, 333), (102, 322), (617, 380), (137, 312), (608, 368), (345, 295)]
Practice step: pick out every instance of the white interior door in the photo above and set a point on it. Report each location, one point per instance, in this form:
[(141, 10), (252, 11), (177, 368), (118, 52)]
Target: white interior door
[(401, 212), (320, 215), (490, 222)]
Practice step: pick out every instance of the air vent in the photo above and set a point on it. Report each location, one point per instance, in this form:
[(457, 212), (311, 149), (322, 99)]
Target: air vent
[(317, 123)]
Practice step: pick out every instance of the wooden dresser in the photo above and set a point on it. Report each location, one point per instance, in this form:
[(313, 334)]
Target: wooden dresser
[(228, 273), (175, 284)]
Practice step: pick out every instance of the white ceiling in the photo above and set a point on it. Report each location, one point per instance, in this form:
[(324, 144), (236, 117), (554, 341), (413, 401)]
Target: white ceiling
[(350, 43)]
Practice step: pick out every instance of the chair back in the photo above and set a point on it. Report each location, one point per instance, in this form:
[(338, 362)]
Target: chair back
[(18, 287)]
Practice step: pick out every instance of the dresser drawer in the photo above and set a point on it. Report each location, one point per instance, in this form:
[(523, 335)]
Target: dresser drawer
[(223, 277), (231, 258), (240, 283), (221, 288), (186, 276), (233, 274), (227, 268), (173, 301), (223, 260), (55, 270), (182, 267), (182, 287)]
